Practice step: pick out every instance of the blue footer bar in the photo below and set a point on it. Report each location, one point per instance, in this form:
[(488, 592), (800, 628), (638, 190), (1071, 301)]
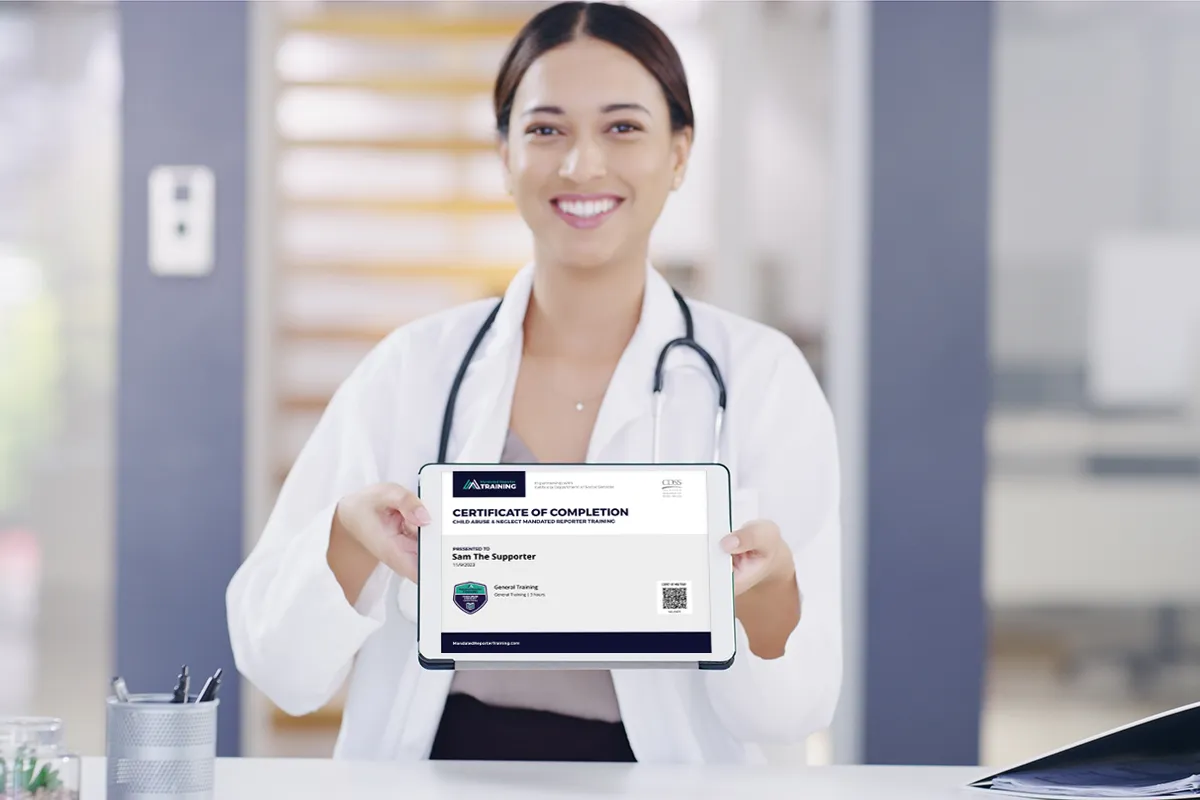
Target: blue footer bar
[(590, 642)]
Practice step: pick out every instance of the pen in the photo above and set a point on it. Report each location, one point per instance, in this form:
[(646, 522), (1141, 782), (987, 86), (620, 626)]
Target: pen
[(118, 685), (210, 688), (181, 686)]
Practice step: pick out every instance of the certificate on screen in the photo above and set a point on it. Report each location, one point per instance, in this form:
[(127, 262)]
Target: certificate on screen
[(564, 561)]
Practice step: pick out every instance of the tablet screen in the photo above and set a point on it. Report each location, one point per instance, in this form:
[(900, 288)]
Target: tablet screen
[(554, 561)]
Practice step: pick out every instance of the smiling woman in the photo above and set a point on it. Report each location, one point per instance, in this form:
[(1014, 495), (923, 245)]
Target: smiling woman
[(594, 129)]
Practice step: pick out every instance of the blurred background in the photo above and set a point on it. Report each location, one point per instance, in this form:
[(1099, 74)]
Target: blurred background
[(375, 198)]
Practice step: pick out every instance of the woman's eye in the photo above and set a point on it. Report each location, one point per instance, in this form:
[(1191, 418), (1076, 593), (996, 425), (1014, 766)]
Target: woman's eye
[(625, 127), (541, 130)]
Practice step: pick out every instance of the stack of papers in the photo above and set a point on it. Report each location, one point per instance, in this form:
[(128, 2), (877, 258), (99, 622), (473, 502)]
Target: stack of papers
[(1142, 779)]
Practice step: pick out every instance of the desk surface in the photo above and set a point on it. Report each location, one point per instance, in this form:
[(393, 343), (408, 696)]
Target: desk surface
[(299, 779)]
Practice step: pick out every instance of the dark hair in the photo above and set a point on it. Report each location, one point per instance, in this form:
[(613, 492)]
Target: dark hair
[(616, 24)]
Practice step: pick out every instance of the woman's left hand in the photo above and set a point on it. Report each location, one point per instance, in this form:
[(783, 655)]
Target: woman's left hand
[(760, 555)]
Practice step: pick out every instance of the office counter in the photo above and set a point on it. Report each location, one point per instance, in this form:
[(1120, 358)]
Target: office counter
[(301, 779)]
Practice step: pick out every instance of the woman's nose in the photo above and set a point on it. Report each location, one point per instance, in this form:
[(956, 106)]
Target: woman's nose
[(583, 162)]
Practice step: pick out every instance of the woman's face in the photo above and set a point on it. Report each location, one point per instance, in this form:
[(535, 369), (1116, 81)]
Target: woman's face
[(590, 156)]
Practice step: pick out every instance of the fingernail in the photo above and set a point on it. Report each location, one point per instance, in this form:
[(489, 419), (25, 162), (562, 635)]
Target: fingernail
[(730, 543), (422, 516)]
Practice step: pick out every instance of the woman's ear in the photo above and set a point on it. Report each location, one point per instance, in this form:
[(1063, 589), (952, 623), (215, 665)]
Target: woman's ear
[(681, 150), (502, 152)]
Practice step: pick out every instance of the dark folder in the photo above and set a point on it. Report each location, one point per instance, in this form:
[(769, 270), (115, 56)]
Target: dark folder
[(1155, 757)]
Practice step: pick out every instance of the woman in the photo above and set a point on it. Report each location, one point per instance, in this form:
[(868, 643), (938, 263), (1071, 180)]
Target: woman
[(594, 128)]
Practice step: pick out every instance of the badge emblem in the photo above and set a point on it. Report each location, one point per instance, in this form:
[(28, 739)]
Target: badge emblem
[(470, 597)]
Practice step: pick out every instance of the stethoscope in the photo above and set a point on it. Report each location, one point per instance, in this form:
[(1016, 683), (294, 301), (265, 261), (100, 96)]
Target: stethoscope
[(687, 340)]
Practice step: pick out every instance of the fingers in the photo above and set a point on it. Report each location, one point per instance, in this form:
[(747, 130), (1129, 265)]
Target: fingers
[(399, 553), (748, 573), (408, 504), (753, 547), (759, 553), (760, 535), (399, 560)]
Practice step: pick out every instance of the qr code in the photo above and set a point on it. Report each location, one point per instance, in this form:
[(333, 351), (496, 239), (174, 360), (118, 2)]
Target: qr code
[(674, 597)]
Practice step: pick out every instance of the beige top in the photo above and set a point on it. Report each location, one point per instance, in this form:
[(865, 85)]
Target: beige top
[(579, 693)]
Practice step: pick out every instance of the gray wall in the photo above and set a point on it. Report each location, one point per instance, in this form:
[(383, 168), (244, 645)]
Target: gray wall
[(926, 380), (180, 381), (1095, 125)]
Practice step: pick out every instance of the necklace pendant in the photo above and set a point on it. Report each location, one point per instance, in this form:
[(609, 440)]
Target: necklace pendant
[(579, 406)]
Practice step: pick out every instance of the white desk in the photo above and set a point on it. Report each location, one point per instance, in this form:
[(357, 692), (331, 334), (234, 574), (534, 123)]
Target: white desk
[(319, 779)]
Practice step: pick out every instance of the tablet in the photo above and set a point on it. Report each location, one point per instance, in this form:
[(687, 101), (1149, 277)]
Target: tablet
[(575, 566)]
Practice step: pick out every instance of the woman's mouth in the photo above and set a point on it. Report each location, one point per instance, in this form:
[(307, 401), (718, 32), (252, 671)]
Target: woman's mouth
[(585, 211)]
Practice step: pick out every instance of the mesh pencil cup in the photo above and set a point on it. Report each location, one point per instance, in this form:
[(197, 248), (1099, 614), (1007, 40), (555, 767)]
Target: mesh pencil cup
[(158, 749)]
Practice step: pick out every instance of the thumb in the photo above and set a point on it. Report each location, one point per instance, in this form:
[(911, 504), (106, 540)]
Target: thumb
[(757, 535), (407, 503)]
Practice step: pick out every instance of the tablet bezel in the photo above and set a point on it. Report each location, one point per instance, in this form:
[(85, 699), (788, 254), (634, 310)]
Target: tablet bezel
[(429, 579)]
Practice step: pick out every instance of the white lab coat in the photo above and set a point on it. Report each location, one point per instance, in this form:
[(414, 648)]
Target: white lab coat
[(297, 639)]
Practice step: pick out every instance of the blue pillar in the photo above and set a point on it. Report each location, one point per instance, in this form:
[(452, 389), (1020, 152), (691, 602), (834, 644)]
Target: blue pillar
[(926, 378), (180, 392)]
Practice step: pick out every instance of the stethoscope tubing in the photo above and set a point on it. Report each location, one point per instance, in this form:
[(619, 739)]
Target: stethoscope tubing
[(688, 340)]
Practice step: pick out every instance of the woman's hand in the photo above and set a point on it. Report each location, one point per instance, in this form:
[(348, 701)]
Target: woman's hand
[(764, 582), (377, 524), (760, 555)]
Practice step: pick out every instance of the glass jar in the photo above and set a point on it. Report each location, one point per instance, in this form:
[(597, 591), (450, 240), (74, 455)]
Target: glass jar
[(34, 762)]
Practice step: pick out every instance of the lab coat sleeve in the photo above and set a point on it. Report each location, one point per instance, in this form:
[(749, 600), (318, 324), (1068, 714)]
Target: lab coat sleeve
[(788, 457), (294, 634)]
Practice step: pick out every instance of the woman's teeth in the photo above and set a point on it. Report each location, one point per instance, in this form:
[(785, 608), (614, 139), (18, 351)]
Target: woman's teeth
[(587, 208)]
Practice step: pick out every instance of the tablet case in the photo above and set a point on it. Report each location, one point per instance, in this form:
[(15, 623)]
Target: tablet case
[(1167, 737)]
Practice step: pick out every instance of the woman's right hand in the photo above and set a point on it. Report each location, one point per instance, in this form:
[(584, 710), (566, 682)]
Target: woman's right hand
[(382, 521)]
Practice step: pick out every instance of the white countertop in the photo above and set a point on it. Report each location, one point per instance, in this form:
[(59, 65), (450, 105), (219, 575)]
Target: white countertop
[(299, 779)]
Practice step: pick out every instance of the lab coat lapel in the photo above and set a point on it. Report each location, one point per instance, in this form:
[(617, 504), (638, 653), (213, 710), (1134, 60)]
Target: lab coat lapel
[(485, 400), (485, 418), (629, 396)]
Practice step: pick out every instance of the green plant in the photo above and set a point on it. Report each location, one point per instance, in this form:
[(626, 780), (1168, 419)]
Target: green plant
[(29, 778)]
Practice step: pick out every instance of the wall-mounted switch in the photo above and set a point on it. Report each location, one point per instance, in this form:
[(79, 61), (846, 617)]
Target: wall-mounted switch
[(182, 211)]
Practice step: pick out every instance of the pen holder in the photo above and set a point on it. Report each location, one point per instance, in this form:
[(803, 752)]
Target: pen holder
[(158, 749)]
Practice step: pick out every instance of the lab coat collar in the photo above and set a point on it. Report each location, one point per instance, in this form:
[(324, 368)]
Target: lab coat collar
[(629, 394)]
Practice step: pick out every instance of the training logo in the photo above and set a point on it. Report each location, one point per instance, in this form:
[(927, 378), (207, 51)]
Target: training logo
[(470, 597), (489, 484)]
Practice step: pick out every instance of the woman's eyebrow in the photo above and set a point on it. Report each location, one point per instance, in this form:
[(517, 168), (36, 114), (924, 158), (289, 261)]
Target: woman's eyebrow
[(542, 110), (608, 109), (625, 107)]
